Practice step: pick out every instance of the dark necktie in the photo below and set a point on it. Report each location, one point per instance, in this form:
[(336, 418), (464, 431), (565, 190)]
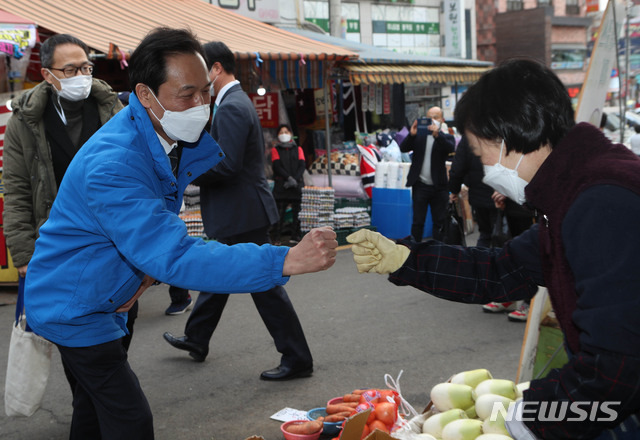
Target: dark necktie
[(174, 157)]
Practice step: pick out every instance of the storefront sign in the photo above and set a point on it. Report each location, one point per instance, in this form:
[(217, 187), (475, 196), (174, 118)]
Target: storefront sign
[(267, 108), (318, 98), (372, 97), (262, 10), (593, 6), (386, 99), (364, 92), (405, 27), (454, 28), (317, 12), (353, 26)]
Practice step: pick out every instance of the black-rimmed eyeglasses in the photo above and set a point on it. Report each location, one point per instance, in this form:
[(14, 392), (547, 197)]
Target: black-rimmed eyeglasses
[(71, 71)]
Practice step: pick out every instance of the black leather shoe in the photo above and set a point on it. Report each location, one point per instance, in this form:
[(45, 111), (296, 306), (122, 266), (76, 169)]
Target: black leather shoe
[(282, 372), (196, 351)]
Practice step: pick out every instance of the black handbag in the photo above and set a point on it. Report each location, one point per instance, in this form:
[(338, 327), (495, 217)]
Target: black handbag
[(453, 228), (500, 233)]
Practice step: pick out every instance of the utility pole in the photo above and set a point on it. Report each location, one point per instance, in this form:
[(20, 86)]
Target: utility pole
[(335, 18)]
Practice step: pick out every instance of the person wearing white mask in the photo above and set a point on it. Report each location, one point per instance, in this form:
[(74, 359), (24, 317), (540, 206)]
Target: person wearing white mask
[(288, 167), (48, 125), (114, 228), (237, 187), (427, 176), (584, 249)]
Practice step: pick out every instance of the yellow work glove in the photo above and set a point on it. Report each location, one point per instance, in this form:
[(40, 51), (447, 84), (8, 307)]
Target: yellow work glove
[(373, 252)]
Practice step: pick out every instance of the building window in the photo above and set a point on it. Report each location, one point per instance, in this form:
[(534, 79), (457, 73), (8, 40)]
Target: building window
[(514, 5), (568, 59), (543, 3), (573, 7)]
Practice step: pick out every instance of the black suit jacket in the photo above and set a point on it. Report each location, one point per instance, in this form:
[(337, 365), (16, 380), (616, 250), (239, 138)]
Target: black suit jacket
[(234, 195), (443, 146)]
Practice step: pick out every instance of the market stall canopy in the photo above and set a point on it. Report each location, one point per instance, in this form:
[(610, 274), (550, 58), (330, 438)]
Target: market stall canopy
[(375, 65), (115, 27), (399, 73)]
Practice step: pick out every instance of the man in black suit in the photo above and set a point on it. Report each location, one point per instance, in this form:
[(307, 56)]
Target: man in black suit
[(428, 174), (238, 207)]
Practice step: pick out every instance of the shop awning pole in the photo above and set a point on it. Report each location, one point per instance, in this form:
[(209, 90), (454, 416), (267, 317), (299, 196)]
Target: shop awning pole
[(327, 130)]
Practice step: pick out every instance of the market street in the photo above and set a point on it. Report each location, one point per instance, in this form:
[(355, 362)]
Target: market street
[(359, 327)]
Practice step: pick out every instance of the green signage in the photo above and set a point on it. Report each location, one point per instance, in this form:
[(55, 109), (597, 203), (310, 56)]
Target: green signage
[(353, 26), (405, 27)]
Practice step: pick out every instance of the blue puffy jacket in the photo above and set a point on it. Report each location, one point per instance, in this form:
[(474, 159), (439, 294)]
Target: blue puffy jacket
[(115, 220)]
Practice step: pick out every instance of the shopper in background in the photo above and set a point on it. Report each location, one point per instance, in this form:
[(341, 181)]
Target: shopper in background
[(519, 119), (466, 168), (240, 177), (519, 219), (288, 166), (115, 219), (428, 174)]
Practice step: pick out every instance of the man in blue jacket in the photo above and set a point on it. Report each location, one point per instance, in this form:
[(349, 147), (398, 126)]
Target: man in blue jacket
[(114, 227)]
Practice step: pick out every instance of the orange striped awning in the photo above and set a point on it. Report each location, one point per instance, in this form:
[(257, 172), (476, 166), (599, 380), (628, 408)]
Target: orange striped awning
[(360, 73), (115, 27)]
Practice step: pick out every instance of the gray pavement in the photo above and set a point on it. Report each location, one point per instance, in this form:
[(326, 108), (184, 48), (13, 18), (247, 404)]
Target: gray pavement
[(359, 328)]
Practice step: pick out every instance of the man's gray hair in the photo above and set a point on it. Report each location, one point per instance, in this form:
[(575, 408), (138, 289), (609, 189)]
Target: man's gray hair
[(50, 44)]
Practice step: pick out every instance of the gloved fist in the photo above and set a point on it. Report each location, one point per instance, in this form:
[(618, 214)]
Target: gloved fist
[(373, 252), (290, 183)]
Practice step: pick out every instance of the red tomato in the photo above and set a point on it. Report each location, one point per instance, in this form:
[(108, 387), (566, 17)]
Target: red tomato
[(377, 424), (386, 412)]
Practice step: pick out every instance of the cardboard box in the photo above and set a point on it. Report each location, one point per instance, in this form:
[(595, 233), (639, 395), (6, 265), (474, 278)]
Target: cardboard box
[(354, 426)]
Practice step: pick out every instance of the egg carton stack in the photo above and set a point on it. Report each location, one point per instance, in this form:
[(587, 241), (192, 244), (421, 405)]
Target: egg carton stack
[(191, 211), (351, 217), (191, 198), (316, 208)]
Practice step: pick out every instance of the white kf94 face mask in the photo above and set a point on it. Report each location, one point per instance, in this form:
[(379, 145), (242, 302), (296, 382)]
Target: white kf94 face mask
[(504, 180), (186, 125), (284, 138), (75, 88)]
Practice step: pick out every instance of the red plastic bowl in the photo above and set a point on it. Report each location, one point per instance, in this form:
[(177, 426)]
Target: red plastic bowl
[(290, 436)]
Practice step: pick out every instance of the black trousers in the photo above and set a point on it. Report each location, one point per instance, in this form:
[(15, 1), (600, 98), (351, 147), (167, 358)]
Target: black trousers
[(295, 211), (423, 196), (108, 402), (178, 295), (486, 218), (274, 307)]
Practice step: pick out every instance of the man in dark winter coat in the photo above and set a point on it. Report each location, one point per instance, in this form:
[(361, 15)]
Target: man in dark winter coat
[(466, 168)]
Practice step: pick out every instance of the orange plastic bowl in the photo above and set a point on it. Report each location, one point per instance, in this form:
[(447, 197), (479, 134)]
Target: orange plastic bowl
[(335, 400), (290, 436)]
